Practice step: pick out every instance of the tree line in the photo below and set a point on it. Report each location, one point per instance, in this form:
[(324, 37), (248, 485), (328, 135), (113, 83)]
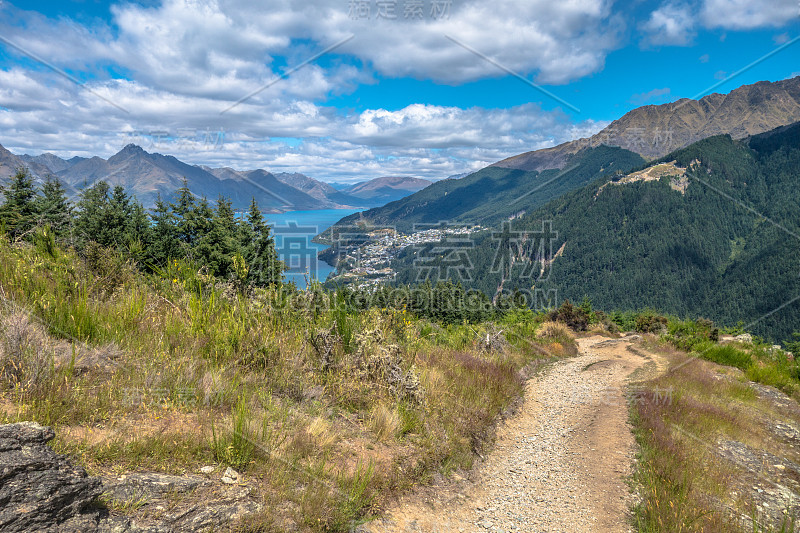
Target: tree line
[(214, 237)]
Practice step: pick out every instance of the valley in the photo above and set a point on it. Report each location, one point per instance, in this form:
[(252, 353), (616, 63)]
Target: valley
[(473, 267)]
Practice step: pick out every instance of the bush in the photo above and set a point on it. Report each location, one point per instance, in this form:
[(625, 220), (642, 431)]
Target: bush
[(553, 331), (574, 317), (625, 321), (649, 322), (794, 344), (728, 355), (772, 376)]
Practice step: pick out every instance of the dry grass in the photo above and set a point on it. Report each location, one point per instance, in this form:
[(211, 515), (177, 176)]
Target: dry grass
[(169, 374), (684, 482), (384, 422), (554, 331)]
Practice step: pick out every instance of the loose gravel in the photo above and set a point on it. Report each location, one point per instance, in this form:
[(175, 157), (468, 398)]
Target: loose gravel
[(558, 465)]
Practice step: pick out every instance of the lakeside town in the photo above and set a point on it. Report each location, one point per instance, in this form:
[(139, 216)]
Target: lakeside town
[(363, 259)]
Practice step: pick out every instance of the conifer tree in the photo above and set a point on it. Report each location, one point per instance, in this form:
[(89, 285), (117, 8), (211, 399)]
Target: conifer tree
[(119, 212), (165, 244), (139, 234), (54, 209), (184, 210), (92, 222), (218, 245), (262, 258), (18, 211)]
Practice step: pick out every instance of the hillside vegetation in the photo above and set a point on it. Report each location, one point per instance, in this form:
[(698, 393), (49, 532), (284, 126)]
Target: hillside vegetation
[(327, 405), (726, 247)]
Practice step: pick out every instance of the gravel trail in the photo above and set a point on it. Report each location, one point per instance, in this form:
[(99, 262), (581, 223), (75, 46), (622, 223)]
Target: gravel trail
[(559, 465)]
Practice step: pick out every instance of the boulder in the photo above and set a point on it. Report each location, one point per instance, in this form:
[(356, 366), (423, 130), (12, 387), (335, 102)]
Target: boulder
[(39, 489)]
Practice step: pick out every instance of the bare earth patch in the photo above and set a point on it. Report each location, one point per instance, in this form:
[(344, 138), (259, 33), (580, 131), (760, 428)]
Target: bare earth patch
[(560, 464), (678, 181)]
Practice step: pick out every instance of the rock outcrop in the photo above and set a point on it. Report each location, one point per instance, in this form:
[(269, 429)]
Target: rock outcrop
[(39, 489)]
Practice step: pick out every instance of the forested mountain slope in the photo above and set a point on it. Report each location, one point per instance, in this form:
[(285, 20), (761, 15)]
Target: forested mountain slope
[(526, 181), (493, 194), (717, 236)]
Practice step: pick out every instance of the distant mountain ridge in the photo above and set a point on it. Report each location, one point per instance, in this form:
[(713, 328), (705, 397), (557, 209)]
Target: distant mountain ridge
[(150, 175), (520, 184), (386, 189), (655, 130), (709, 230), (492, 194)]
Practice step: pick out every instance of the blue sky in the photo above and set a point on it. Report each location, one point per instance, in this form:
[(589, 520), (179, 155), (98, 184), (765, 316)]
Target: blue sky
[(432, 91)]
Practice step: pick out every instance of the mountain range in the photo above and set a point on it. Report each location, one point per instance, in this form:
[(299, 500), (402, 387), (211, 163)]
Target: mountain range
[(709, 230), (150, 175), (520, 184), (706, 225)]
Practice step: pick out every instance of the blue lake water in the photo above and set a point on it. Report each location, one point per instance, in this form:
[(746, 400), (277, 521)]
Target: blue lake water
[(293, 232)]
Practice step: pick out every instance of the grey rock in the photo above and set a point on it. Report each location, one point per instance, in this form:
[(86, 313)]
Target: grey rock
[(148, 485), (230, 476), (212, 514), (39, 489)]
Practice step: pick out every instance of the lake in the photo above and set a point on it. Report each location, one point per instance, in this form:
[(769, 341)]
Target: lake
[(293, 232)]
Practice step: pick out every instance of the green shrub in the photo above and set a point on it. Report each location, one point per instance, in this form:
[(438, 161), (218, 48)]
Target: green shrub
[(649, 322), (574, 317), (625, 320), (772, 376), (236, 448), (728, 355)]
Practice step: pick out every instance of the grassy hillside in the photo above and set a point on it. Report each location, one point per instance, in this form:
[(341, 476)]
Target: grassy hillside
[(327, 407), (715, 454), (330, 404)]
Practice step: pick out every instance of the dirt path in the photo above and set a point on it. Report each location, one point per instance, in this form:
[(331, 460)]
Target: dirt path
[(559, 465)]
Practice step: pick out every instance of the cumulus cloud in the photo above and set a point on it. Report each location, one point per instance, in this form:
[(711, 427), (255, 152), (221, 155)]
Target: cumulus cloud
[(749, 14), (226, 48), (38, 114), (670, 24), (676, 24), (177, 65)]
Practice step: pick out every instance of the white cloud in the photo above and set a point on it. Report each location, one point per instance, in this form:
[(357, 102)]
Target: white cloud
[(184, 61), (749, 14), (422, 140), (676, 23), (670, 24), (227, 48)]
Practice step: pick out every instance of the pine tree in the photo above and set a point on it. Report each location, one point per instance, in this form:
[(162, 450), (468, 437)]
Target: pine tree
[(265, 268), (92, 222), (139, 234), (119, 212), (54, 209), (18, 211), (184, 211), (218, 245), (165, 243)]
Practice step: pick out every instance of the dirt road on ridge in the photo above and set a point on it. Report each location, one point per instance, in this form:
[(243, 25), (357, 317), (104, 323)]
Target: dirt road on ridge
[(559, 464)]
